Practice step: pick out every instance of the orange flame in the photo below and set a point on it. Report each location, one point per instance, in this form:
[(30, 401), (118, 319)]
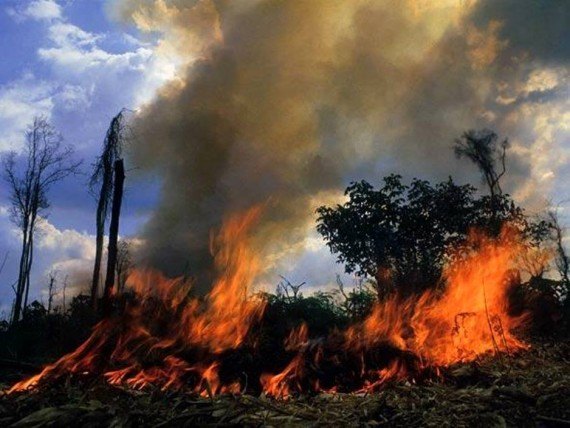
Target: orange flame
[(167, 339), (278, 385), (468, 319), (218, 324)]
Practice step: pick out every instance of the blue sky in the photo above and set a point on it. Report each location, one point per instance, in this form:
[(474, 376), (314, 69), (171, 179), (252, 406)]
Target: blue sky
[(78, 64), (68, 61)]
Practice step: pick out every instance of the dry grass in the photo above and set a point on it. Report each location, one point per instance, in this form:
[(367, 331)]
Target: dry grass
[(531, 389)]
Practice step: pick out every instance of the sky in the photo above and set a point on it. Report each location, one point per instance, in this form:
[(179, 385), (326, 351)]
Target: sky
[(67, 61), (360, 89)]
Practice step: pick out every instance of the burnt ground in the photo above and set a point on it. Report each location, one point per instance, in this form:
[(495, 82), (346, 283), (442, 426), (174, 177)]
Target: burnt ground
[(530, 389)]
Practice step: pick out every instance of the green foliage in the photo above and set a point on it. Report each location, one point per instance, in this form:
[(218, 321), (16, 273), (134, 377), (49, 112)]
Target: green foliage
[(358, 302), (406, 229), (323, 311), (41, 335)]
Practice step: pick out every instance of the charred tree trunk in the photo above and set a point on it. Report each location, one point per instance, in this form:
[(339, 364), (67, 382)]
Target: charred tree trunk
[(20, 285), (103, 176), (100, 224), (113, 234), (51, 292)]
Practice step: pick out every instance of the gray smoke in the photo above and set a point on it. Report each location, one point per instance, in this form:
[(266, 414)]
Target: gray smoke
[(283, 102)]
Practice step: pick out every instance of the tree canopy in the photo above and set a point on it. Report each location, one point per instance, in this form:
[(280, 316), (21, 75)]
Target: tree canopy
[(398, 233)]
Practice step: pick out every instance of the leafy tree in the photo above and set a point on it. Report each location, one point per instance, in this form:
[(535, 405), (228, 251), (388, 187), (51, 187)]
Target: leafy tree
[(398, 234)]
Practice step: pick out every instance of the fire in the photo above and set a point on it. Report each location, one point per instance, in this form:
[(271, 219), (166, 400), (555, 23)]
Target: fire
[(169, 340), (469, 318), (474, 307), (278, 385), (163, 322), (466, 320)]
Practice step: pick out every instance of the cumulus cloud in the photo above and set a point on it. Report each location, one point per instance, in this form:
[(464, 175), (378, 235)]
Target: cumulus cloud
[(38, 10), (69, 244), (75, 52), (67, 251), (80, 71), (20, 101)]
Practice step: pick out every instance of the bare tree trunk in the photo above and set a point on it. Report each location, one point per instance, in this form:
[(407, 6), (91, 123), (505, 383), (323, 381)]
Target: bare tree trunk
[(50, 292), (19, 287), (63, 294), (103, 174), (113, 234), (29, 267), (98, 249)]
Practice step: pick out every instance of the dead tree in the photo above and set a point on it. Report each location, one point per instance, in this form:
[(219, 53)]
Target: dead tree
[(113, 234), (481, 148), (103, 176), (285, 285), (124, 264), (63, 291), (561, 260), (43, 162), (52, 289)]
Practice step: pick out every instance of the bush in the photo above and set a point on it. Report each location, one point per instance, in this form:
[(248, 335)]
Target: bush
[(41, 336)]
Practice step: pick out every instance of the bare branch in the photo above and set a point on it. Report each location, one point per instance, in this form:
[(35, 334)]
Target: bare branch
[(30, 175)]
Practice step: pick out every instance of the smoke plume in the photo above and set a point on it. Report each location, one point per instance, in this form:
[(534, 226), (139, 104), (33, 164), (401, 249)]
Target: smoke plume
[(281, 103)]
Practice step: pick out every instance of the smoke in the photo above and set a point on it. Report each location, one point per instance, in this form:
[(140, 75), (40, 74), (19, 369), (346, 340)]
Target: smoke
[(281, 103)]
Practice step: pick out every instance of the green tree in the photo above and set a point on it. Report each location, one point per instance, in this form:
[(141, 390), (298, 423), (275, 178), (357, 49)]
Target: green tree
[(398, 234)]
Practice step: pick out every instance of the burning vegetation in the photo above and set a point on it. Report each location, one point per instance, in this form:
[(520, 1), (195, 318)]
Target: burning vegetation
[(274, 105), (441, 291), (441, 295), (164, 338)]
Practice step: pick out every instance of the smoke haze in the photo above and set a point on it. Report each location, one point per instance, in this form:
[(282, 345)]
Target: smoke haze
[(282, 103)]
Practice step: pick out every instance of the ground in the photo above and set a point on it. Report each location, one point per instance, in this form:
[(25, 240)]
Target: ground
[(529, 389)]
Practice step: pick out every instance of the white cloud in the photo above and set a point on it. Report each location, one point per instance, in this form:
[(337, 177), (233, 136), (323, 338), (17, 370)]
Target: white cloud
[(66, 34), (75, 60), (76, 55), (20, 101), (37, 10), (67, 243), (75, 51), (66, 251), (74, 97), (43, 9)]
